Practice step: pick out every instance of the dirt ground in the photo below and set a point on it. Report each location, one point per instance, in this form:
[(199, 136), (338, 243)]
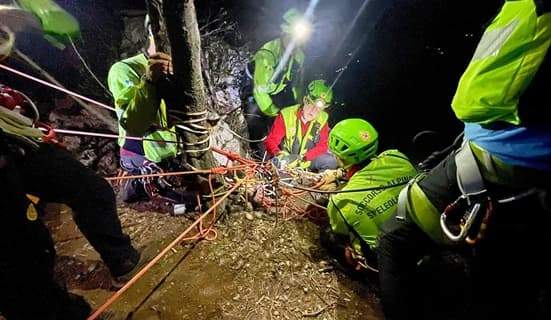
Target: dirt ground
[(258, 267)]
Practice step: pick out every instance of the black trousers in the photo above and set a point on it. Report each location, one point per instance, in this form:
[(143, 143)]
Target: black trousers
[(259, 126), (507, 276), (27, 289)]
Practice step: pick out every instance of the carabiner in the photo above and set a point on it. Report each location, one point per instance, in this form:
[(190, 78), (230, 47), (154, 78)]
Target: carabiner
[(471, 216)]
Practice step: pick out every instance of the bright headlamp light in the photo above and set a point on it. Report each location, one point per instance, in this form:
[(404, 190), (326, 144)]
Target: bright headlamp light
[(301, 30), (319, 103)]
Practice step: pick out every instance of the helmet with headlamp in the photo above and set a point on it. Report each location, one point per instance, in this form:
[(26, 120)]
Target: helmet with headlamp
[(319, 94), (296, 25)]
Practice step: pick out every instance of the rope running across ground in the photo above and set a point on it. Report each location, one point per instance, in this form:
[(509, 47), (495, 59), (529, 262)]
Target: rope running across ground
[(258, 176)]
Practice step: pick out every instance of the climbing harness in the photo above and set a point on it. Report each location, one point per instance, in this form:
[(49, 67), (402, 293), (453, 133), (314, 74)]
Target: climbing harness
[(473, 195), (468, 216)]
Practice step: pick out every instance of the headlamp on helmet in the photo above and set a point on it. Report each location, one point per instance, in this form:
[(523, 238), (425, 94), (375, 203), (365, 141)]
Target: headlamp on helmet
[(296, 25), (320, 104), (319, 94), (301, 30)]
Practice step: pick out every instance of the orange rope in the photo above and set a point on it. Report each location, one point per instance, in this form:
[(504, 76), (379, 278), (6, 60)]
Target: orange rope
[(234, 156), (204, 233), (176, 241), (289, 208), (217, 170)]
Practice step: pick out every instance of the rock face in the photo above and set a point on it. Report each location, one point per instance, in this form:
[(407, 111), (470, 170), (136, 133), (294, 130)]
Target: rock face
[(97, 153), (224, 64)]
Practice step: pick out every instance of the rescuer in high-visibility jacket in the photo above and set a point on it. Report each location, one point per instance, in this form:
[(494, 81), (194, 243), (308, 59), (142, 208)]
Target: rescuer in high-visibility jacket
[(277, 83), (298, 137), (135, 83), (504, 165), (271, 94), (356, 217)]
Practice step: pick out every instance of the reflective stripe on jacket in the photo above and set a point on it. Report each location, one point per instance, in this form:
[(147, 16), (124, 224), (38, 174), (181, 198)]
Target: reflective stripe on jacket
[(505, 62)]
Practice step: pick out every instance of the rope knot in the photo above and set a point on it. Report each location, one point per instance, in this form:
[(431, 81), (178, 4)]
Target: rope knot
[(219, 170)]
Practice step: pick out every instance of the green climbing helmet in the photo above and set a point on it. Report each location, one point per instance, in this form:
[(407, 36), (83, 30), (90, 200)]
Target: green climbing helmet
[(289, 19), (353, 141), (318, 91)]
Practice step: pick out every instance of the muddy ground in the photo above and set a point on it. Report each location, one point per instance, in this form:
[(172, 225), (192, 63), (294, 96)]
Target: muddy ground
[(258, 267)]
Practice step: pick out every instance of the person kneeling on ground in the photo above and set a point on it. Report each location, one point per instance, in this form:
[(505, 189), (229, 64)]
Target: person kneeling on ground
[(298, 137), (356, 216), (135, 84)]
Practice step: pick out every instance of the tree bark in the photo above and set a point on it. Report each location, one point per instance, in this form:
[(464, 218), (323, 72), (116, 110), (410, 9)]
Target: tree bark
[(158, 26), (183, 33)]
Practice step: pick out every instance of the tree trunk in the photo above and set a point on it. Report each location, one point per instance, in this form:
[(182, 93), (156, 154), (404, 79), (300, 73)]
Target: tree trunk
[(183, 32), (158, 26)]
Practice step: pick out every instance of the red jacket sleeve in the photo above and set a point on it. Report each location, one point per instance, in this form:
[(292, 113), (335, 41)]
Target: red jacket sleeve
[(319, 148), (275, 136)]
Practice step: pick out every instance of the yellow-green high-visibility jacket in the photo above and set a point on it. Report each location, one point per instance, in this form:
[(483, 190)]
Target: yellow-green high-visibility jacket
[(58, 25), (295, 142), (507, 58), (265, 88), (361, 214), (504, 65), (139, 109)]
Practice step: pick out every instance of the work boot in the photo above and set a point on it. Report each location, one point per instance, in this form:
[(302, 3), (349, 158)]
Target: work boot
[(146, 254), (132, 191), (74, 307)]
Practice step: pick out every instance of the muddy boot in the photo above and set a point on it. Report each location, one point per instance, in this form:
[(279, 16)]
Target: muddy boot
[(75, 308), (132, 191), (333, 243), (146, 254)]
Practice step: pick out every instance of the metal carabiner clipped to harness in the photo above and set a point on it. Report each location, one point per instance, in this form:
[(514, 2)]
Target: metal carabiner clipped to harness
[(473, 193), (466, 223)]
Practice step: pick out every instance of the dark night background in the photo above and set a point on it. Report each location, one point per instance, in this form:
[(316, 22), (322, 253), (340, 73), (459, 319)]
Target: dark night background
[(409, 54), (409, 57)]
